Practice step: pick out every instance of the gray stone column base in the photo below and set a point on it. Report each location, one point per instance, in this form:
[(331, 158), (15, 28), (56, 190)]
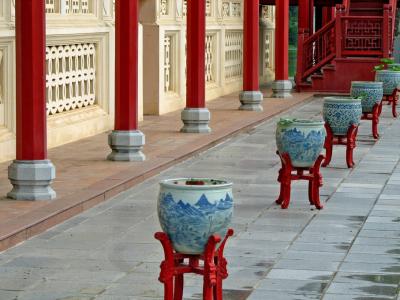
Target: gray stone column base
[(251, 100), (282, 89), (31, 180), (196, 120), (126, 145)]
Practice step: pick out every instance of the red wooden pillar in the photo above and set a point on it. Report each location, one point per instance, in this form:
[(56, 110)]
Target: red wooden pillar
[(340, 11), (126, 141), (31, 173), (304, 21), (386, 31), (196, 116), (282, 86), (251, 97), (328, 14), (303, 34)]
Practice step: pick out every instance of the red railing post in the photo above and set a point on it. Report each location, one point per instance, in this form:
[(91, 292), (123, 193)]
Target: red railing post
[(386, 31), (302, 36), (303, 30), (339, 34)]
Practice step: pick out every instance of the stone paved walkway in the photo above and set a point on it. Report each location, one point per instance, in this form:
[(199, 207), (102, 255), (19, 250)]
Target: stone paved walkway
[(349, 250), (85, 178)]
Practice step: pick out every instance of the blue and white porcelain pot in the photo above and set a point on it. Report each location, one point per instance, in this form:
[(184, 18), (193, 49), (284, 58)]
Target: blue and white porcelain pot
[(370, 92), (342, 112), (301, 139), (191, 210), (390, 80)]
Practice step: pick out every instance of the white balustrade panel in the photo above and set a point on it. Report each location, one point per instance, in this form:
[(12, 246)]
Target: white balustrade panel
[(181, 8), (268, 51), (169, 63), (210, 58), (267, 13), (233, 54), (231, 9), (69, 7), (51, 7), (164, 7), (209, 8), (71, 77)]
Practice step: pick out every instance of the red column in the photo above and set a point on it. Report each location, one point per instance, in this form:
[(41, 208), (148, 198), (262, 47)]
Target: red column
[(328, 13), (31, 79), (251, 46), (386, 31), (282, 40), (304, 15), (282, 86), (196, 36), (303, 33), (196, 116), (126, 64), (251, 97), (126, 141), (31, 173)]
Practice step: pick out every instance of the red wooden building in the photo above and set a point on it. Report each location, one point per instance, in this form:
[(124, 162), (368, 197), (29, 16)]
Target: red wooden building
[(345, 41)]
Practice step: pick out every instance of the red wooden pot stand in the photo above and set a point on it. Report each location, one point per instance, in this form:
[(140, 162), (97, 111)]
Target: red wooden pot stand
[(349, 140), (374, 117), (285, 178), (392, 99), (176, 264)]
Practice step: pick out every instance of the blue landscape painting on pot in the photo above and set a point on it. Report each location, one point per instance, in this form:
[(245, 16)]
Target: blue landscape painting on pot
[(303, 140), (190, 214), (342, 112)]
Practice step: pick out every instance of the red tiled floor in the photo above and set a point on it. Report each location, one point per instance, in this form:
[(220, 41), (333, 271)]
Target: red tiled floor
[(85, 178)]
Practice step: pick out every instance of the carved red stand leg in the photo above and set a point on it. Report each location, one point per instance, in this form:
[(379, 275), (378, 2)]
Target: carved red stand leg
[(374, 117), (175, 265), (349, 140), (285, 178), (392, 99)]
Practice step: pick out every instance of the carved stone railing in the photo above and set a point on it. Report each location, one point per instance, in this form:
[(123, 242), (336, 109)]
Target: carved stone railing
[(210, 58), (267, 37), (233, 54), (169, 63), (71, 77), (231, 9), (69, 7), (221, 8), (165, 27)]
